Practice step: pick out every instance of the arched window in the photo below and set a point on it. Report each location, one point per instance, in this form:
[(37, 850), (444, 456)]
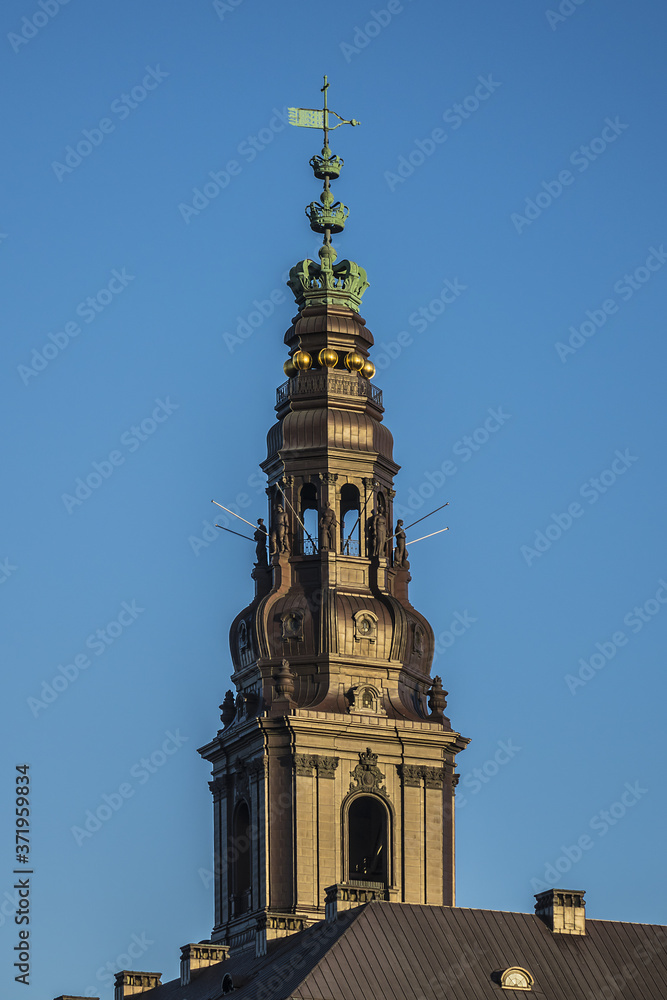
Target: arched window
[(350, 523), (241, 857), (367, 840), (310, 518)]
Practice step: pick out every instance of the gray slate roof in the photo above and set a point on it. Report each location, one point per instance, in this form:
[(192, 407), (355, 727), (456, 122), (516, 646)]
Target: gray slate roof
[(384, 950)]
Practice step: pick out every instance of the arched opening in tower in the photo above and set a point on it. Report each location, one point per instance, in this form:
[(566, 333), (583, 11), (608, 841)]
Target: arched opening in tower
[(310, 518), (350, 523), (367, 840), (241, 858)]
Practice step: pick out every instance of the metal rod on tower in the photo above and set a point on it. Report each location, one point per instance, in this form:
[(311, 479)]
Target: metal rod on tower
[(239, 517), (415, 540), (237, 533), (407, 527), (297, 517)]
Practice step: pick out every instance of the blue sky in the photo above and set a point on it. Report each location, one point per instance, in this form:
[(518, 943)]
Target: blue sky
[(507, 199)]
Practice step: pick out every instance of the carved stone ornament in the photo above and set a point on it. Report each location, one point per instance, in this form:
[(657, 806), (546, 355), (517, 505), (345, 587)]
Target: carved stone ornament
[(241, 785), (292, 626), (367, 775), (218, 788), (414, 774), (434, 777), (418, 638), (327, 477), (305, 762), (284, 680), (437, 699), (227, 709), (365, 626), (411, 774), (243, 636)]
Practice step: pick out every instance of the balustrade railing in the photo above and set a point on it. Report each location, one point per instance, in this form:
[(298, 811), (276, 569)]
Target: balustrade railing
[(328, 382)]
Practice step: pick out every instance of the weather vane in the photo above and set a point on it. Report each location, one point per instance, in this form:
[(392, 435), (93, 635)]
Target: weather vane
[(328, 217), (314, 118)]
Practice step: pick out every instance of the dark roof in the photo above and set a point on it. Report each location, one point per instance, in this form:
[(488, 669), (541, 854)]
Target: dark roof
[(385, 950)]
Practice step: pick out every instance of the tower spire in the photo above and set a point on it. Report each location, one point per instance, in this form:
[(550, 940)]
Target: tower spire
[(328, 217), (326, 283)]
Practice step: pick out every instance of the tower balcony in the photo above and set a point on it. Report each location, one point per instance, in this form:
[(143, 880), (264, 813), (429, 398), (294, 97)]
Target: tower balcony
[(328, 383)]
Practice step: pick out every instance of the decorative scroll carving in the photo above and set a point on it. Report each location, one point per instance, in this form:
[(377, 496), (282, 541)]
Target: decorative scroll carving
[(367, 775), (434, 777), (305, 762), (411, 774), (218, 788), (414, 774), (327, 477), (326, 766)]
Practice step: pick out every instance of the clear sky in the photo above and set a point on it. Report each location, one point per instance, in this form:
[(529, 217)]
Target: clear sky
[(507, 199)]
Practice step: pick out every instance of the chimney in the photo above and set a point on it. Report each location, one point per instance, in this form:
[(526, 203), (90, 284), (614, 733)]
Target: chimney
[(129, 984), (562, 910), (200, 956)]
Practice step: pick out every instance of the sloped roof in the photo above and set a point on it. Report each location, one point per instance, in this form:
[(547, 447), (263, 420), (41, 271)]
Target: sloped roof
[(384, 950)]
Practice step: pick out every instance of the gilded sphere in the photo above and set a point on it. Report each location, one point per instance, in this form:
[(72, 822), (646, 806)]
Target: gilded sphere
[(327, 358), (354, 361), (302, 360), (368, 371), (290, 368)]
